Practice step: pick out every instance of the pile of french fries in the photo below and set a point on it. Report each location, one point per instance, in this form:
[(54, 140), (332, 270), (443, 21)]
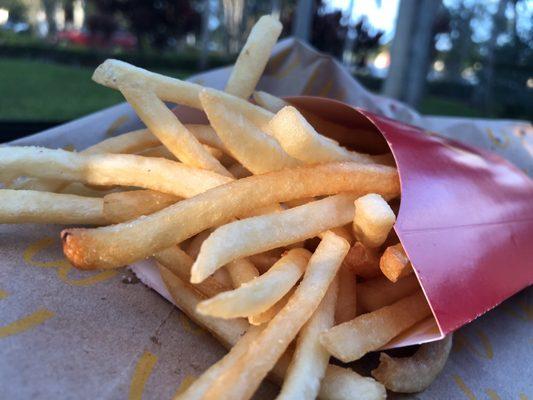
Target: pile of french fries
[(267, 233)]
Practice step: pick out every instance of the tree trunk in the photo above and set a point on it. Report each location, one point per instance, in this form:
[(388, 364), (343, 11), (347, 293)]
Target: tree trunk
[(303, 18), (204, 35), (50, 11), (487, 83), (411, 48), (395, 83), (421, 47)]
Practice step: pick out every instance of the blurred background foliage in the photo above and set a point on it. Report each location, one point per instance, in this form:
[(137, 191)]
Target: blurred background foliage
[(448, 57)]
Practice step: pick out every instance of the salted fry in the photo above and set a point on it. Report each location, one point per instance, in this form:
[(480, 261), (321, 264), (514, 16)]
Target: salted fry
[(238, 171), (268, 101), (310, 360), (242, 380), (267, 315), (338, 384), (300, 140), (413, 374), (394, 263), (243, 139), (159, 151), (130, 142), (345, 384), (241, 271), (346, 307), (193, 249), (368, 332), (263, 261), (127, 143), (373, 220), (343, 232), (201, 385), (363, 261), (253, 57), (164, 124), (285, 227), (109, 169), (179, 263), (258, 295), (113, 73), (124, 206), (121, 244), (28, 206), (228, 332), (380, 292)]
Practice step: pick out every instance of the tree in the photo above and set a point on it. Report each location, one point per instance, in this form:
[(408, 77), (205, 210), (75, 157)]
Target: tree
[(412, 49), (154, 22)]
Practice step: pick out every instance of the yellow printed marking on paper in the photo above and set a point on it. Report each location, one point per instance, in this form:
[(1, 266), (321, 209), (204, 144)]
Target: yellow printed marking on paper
[(461, 341), (497, 141), (62, 266), (26, 323), (3, 294), (184, 384), (492, 394), (465, 389), (188, 326), (142, 372)]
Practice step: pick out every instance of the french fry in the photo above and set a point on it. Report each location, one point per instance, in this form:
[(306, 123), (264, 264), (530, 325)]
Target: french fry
[(368, 332), (109, 169), (125, 206), (285, 227), (394, 263), (244, 378), (193, 249), (263, 261), (413, 374), (179, 262), (300, 140), (164, 124), (344, 233), (206, 135), (243, 139), (310, 360), (374, 294), (345, 384), (130, 142), (258, 295), (241, 271), (28, 206), (253, 57), (121, 244), (238, 171), (363, 261), (346, 307), (373, 220), (200, 386), (186, 298), (267, 315), (78, 189), (269, 102), (113, 73), (338, 384), (159, 151)]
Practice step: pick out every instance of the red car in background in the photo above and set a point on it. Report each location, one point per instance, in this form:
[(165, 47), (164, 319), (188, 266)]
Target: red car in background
[(121, 39)]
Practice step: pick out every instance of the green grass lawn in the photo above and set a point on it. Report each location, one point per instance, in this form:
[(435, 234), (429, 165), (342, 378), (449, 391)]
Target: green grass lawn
[(38, 91), (440, 106), (32, 90)]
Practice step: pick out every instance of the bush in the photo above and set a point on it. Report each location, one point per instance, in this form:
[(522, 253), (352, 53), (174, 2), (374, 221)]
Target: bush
[(28, 47)]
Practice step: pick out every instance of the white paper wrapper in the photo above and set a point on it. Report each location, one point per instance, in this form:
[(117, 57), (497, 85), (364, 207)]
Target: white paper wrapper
[(70, 334)]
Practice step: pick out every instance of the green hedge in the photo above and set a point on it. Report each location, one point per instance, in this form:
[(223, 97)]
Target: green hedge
[(186, 60)]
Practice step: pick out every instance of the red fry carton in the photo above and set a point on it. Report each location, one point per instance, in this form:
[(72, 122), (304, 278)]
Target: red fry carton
[(465, 219)]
